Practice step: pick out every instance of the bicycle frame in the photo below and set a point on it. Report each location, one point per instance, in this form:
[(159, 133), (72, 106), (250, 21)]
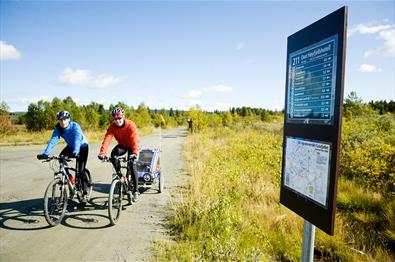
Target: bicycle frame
[(124, 164), (62, 172)]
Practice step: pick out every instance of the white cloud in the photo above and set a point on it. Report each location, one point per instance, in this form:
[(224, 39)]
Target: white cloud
[(239, 46), (369, 28), (194, 94), (84, 78), (365, 68), (8, 52), (218, 88), (388, 48), (384, 32)]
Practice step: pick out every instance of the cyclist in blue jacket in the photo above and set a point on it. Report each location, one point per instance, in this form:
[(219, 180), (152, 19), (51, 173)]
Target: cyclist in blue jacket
[(77, 145)]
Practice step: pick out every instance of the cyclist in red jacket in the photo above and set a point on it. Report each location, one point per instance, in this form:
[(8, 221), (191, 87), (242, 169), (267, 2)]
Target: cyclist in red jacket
[(125, 132)]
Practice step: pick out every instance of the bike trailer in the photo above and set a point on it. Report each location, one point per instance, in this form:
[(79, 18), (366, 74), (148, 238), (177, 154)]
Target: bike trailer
[(148, 166)]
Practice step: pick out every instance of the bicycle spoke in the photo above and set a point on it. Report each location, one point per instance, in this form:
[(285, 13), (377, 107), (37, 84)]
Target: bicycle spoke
[(55, 202), (115, 201)]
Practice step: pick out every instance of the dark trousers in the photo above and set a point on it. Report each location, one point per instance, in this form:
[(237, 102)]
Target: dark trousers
[(81, 163), (119, 151)]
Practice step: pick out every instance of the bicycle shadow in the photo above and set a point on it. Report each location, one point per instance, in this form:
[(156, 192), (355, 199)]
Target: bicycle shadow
[(149, 190), (105, 188), (101, 188), (87, 217), (28, 215), (23, 215)]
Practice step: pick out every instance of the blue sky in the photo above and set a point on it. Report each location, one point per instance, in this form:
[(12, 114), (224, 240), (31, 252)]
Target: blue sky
[(177, 54)]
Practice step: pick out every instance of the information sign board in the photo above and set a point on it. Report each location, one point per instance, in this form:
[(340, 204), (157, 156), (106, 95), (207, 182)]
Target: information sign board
[(312, 83), (312, 123)]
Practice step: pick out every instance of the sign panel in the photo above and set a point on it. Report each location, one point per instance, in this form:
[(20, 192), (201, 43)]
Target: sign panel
[(312, 122), (312, 82), (307, 168)]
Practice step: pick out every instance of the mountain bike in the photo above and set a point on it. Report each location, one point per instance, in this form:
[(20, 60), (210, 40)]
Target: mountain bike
[(121, 186), (56, 194)]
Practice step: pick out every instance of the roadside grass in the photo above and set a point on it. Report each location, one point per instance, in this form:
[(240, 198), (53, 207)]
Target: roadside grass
[(231, 209), (21, 136)]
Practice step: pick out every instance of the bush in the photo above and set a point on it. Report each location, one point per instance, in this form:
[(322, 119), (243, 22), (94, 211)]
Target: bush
[(368, 151)]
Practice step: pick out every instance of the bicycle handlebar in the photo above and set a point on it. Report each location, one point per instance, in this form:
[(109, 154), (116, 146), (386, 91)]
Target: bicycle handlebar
[(110, 159), (62, 157)]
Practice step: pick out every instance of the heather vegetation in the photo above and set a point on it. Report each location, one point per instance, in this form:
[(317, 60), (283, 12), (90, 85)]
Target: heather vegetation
[(231, 209)]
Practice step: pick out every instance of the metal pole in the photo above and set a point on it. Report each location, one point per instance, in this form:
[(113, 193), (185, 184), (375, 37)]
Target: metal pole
[(160, 137), (308, 242)]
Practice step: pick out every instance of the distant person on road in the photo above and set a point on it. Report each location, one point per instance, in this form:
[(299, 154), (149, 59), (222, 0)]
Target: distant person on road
[(190, 125), (77, 146), (126, 134)]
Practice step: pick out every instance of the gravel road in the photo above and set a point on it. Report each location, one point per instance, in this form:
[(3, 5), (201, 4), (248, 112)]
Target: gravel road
[(85, 234)]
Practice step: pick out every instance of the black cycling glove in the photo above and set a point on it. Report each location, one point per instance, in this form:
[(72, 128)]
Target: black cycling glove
[(133, 157), (42, 156), (74, 155)]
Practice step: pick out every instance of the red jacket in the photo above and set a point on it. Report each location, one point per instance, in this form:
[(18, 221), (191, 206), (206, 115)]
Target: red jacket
[(126, 136)]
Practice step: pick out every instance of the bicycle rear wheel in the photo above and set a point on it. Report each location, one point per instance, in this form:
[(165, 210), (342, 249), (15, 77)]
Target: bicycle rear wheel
[(88, 186), (115, 201), (55, 202)]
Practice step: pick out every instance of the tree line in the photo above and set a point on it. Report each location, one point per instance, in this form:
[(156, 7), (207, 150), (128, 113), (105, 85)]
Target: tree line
[(42, 115), (95, 116)]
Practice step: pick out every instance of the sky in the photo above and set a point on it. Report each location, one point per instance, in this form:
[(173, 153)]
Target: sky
[(176, 54)]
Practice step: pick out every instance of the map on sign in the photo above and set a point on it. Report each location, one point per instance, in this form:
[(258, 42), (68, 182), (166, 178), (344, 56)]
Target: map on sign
[(312, 82), (307, 168)]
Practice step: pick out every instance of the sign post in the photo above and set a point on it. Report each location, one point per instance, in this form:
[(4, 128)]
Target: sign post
[(308, 242), (312, 123)]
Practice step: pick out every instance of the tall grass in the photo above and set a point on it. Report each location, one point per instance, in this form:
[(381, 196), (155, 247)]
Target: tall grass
[(231, 209)]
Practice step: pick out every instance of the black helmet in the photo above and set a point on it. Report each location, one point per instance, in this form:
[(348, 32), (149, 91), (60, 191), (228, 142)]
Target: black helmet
[(63, 115)]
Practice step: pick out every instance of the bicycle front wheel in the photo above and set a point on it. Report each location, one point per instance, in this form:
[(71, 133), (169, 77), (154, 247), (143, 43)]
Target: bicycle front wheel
[(55, 202), (115, 201)]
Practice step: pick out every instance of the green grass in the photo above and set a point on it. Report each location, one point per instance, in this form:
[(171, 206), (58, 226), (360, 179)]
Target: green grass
[(231, 209)]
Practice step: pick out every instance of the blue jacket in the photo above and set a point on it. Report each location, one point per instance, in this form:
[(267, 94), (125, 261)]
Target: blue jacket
[(73, 136)]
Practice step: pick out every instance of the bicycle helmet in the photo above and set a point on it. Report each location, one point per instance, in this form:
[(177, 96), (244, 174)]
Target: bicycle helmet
[(118, 112), (63, 115)]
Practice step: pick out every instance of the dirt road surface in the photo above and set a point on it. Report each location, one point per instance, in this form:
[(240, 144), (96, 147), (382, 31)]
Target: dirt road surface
[(85, 234)]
